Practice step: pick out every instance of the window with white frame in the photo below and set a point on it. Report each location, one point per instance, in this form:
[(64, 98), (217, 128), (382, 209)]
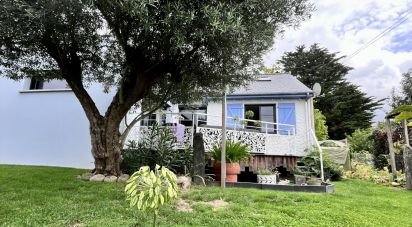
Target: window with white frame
[(283, 116), (40, 84)]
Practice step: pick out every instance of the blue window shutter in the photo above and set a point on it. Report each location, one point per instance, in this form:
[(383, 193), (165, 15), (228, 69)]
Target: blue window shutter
[(234, 110), (287, 115)]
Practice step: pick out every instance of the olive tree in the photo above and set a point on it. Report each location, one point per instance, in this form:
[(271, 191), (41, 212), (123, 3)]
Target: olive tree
[(144, 49)]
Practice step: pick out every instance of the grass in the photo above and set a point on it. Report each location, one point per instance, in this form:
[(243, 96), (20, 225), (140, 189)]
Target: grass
[(50, 196)]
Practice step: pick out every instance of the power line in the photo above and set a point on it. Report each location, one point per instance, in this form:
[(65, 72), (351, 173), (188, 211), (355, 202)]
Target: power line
[(400, 21), (382, 34)]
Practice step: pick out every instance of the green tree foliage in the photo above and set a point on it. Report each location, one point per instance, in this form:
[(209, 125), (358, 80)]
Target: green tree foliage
[(380, 147), (345, 106), (152, 49), (361, 141), (321, 129), (404, 112), (405, 96), (271, 70)]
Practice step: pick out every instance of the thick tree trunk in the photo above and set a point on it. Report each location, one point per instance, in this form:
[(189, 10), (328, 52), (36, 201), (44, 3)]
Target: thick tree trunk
[(106, 146)]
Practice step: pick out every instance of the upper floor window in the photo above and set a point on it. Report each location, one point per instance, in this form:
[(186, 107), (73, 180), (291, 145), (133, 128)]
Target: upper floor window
[(35, 84)]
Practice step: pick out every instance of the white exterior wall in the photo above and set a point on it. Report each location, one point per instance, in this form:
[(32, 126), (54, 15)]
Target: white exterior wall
[(214, 113), (276, 144), (45, 127)]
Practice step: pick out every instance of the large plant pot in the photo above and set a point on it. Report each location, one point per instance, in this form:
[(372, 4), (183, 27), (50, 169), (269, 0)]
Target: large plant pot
[(232, 170), (266, 179), (314, 181), (300, 179)]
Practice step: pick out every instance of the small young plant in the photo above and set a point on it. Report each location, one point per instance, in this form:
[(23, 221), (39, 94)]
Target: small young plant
[(148, 190), (265, 172), (268, 172)]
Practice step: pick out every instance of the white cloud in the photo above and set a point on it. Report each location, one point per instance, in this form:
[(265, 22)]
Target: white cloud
[(345, 26)]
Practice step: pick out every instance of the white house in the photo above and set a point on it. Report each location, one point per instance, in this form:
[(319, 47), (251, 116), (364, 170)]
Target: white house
[(273, 115), (282, 104), (282, 121), (42, 123)]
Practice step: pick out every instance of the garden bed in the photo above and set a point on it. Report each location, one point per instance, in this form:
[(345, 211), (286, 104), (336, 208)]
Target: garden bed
[(327, 188)]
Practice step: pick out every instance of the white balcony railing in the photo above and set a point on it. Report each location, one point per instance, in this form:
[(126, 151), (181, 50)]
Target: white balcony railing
[(262, 137)]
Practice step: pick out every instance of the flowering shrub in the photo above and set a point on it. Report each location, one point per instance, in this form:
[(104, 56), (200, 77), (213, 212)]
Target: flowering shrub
[(367, 172)]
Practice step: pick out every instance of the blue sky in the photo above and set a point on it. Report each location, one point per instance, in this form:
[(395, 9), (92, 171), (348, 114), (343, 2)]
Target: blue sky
[(345, 26)]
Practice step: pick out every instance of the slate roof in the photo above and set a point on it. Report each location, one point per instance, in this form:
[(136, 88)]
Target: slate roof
[(273, 84)]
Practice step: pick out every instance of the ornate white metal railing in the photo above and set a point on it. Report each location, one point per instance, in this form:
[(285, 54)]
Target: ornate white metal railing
[(255, 140), (261, 139)]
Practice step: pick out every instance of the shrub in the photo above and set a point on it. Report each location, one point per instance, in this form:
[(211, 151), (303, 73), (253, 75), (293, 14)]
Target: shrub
[(380, 148), (312, 166), (366, 172), (235, 152), (321, 129), (360, 141), (156, 147), (362, 157), (265, 172)]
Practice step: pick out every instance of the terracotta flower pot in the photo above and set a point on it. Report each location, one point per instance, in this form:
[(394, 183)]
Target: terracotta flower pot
[(232, 170)]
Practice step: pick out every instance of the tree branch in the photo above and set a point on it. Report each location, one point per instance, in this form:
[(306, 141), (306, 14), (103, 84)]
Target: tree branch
[(126, 132), (71, 72)]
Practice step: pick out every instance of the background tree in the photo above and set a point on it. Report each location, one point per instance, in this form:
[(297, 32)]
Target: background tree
[(344, 105), (321, 129), (405, 96), (360, 141), (153, 48), (271, 70)]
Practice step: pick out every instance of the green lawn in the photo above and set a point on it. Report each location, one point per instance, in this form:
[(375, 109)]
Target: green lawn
[(47, 196)]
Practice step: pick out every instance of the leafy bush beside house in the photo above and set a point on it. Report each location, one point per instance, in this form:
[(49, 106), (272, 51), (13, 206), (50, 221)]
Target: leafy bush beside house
[(312, 166), (321, 129), (157, 147)]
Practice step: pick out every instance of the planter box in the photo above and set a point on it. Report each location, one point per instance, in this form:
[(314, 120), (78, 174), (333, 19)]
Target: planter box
[(314, 181), (266, 179), (327, 188)]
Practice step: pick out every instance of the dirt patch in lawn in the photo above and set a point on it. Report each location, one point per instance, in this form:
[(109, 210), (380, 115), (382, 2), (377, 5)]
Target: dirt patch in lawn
[(186, 205), (216, 204), (183, 206), (77, 225)]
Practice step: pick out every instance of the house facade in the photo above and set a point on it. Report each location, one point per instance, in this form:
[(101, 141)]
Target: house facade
[(277, 108), (273, 115), (42, 123), (281, 105)]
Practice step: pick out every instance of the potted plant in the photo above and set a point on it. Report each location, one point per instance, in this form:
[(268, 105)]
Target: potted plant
[(310, 173), (235, 152), (300, 176), (252, 125), (266, 176)]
